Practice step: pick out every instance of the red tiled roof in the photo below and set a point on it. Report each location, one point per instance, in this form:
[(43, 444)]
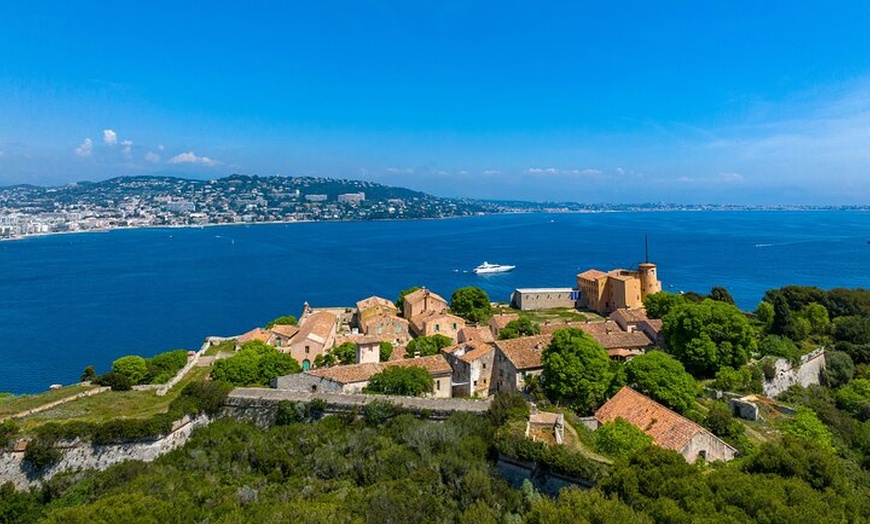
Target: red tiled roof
[(480, 333), (375, 301), (317, 326), (285, 330), (610, 336), (476, 353), (630, 316), (667, 428), (592, 274), (420, 294), (255, 334), (525, 352), (502, 320)]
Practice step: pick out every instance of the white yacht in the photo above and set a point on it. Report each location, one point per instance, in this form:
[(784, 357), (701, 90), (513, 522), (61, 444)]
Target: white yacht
[(486, 267)]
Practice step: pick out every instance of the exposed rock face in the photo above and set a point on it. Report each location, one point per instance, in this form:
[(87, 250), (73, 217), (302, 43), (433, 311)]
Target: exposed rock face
[(806, 373)]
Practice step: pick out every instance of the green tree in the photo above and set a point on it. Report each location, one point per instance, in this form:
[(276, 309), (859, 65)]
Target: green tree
[(345, 353), (619, 439), (839, 369), (88, 374), (817, 315), (708, 335), (721, 422), (286, 320), (660, 304), (663, 378), (720, 294), (764, 314), (385, 350), (275, 364), (412, 381), (471, 303), (576, 370), (806, 425), (133, 367), (777, 346), (427, 346), (522, 327), (400, 301), (854, 398)]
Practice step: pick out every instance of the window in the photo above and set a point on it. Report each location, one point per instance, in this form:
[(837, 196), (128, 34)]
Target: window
[(484, 365), (475, 383), (438, 385), (437, 327), (454, 326)]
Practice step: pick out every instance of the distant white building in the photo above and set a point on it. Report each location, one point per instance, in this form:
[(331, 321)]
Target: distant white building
[(352, 198), (316, 198), (544, 298)]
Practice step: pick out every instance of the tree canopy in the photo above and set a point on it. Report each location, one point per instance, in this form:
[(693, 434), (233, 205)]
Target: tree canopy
[(133, 367), (471, 303), (522, 327), (662, 378), (255, 364), (620, 439), (659, 304), (412, 381), (427, 345), (286, 320), (708, 335), (576, 370)]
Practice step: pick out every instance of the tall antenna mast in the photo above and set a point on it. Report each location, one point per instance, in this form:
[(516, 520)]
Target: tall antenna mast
[(646, 247)]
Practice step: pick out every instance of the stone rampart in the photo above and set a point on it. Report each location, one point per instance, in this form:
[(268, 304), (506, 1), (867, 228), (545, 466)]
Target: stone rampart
[(79, 455), (806, 373)]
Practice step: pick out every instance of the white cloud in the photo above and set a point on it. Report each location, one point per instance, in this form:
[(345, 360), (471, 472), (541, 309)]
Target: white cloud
[(190, 158), (731, 177), (400, 170), (152, 157), (161, 147), (86, 148), (127, 146), (491, 172), (110, 137)]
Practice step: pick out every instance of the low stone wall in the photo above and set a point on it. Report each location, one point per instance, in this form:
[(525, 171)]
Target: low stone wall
[(79, 455), (806, 373), (260, 405), (50, 405)]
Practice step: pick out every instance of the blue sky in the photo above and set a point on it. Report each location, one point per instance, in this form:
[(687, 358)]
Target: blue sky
[(694, 102)]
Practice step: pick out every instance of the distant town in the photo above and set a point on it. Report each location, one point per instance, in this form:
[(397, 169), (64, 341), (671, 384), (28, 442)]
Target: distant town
[(156, 201)]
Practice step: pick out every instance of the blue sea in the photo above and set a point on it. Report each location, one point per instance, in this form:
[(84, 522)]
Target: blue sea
[(69, 301)]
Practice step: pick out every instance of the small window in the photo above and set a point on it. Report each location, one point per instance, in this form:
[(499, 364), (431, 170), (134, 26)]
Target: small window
[(437, 327), (454, 325), (484, 365), (438, 385), (475, 383), (307, 349)]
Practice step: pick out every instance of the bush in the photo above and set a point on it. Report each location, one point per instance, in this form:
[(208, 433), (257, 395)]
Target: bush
[(162, 367), (839, 369), (133, 367), (8, 428), (41, 453), (506, 407), (377, 412), (411, 381), (116, 381), (619, 438)]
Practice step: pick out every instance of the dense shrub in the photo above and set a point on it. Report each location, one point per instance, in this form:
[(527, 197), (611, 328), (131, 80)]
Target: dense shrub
[(116, 381), (133, 367), (8, 428), (41, 453), (412, 381), (162, 367), (619, 438), (505, 407)]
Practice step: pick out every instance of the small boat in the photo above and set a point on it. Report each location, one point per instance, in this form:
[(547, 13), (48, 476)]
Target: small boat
[(486, 267)]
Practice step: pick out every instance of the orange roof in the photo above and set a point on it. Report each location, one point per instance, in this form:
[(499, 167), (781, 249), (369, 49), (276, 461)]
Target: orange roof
[(375, 301), (547, 328), (592, 274), (630, 316), (383, 317), (610, 336), (478, 352), (481, 333), (420, 294), (285, 330), (255, 334), (525, 352), (503, 319), (667, 428), (435, 365), (317, 326)]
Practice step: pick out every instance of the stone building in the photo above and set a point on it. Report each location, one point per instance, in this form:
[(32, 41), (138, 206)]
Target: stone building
[(472, 364), (667, 428), (516, 359), (618, 288), (427, 314), (498, 322), (316, 335), (528, 299)]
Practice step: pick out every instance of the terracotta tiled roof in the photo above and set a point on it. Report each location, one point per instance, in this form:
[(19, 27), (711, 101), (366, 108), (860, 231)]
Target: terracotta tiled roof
[(255, 334), (398, 353), (374, 301), (435, 365), (548, 328), (481, 333), (525, 352), (630, 316), (667, 428), (502, 320), (592, 274), (317, 326), (285, 330), (476, 353), (420, 294), (620, 352), (655, 323), (383, 317), (610, 336)]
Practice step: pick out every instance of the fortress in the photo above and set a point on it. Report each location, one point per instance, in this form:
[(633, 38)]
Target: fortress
[(618, 288)]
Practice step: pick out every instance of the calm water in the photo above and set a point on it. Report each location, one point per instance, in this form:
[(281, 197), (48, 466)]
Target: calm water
[(73, 300)]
